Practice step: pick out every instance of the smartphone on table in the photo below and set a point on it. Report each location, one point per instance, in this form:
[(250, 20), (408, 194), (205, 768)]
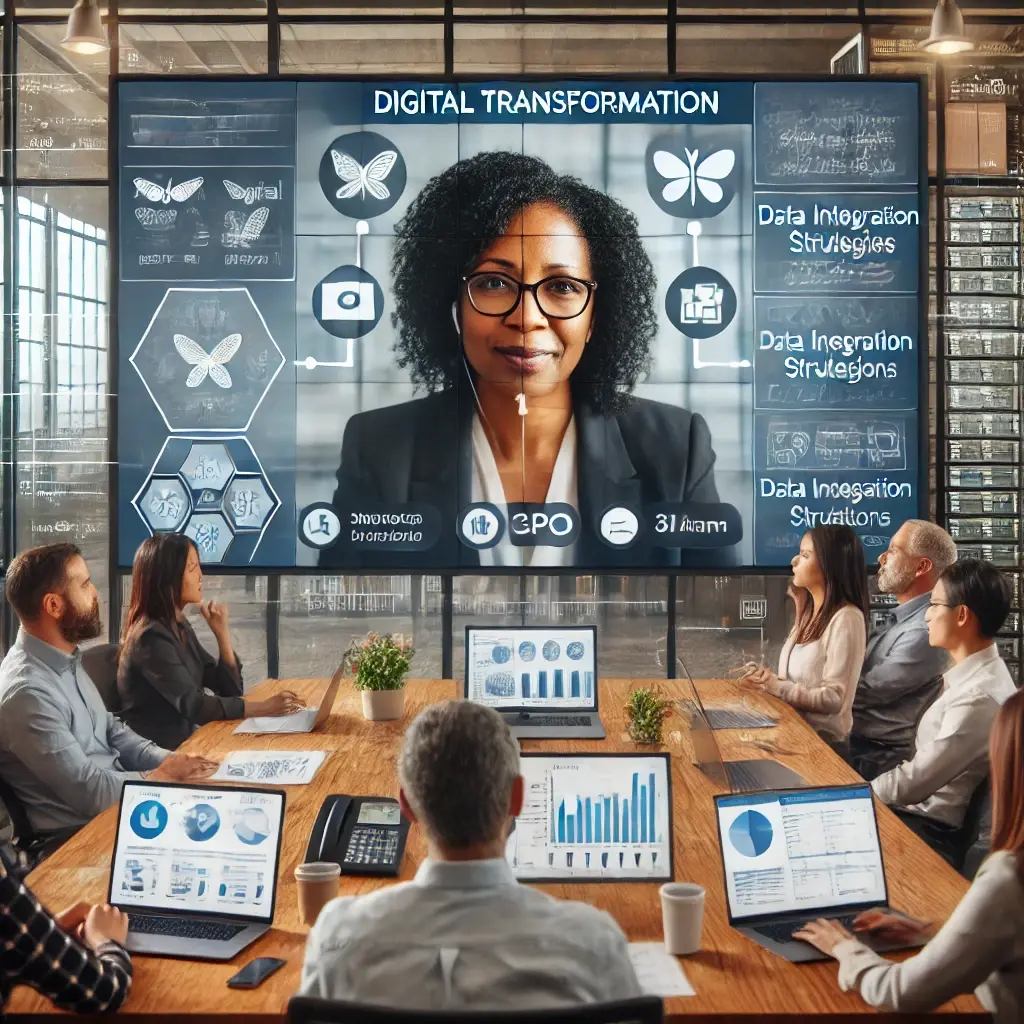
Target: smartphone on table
[(255, 972)]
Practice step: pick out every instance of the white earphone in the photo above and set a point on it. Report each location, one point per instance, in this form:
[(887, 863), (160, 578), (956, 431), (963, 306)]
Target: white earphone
[(520, 398)]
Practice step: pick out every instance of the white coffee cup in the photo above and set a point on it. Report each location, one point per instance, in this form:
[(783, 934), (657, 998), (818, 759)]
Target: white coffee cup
[(682, 917)]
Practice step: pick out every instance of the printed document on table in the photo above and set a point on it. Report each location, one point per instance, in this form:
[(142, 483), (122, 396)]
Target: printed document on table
[(658, 973), (276, 767)]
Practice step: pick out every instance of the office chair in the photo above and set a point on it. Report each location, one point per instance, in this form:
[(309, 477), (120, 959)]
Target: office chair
[(309, 1010), (100, 664), (970, 831), (35, 848)]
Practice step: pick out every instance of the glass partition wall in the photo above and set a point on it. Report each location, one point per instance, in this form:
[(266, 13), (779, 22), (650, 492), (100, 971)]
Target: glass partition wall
[(55, 418)]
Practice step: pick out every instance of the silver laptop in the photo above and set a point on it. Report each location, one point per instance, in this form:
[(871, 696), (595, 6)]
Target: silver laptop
[(543, 679), (792, 856), (738, 776), (195, 867), (306, 720)]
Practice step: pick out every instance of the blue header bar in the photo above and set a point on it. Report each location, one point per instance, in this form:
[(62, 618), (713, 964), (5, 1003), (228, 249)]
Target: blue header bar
[(579, 102), (805, 796)]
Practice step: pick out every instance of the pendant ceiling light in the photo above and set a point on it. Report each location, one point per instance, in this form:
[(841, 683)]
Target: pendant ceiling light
[(85, 33), (947, 34)]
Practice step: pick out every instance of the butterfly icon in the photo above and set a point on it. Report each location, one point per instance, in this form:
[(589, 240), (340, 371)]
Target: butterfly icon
[(363, 179), (202, 363), (241, 233), (691, 176), (245, 195), (165, 193), (155, 220)]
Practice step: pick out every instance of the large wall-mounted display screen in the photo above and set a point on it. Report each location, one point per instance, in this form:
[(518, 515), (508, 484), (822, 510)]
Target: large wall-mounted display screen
[(517, 324)]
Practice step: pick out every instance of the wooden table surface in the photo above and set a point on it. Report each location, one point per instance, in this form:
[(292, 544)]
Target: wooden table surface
[(733, 976)]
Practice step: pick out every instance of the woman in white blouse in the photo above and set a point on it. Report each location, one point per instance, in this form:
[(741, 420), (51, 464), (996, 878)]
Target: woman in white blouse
[(981, 946), (821, 660)]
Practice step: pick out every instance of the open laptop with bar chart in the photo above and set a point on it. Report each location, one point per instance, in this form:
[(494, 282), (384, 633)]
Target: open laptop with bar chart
[(543, 679), (792, 856), (593, 818)]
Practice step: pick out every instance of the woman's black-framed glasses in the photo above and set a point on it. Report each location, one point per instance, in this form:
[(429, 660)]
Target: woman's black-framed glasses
[(559, 297)]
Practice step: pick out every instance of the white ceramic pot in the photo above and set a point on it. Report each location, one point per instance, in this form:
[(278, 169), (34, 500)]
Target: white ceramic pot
[(383, 705)]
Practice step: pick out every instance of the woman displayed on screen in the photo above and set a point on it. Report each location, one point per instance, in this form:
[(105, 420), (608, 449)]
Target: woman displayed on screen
[(524, 304)]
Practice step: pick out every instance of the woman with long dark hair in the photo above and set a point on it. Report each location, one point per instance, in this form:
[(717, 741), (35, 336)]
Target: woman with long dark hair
[(821, 660), (167, 681), (981, 946)]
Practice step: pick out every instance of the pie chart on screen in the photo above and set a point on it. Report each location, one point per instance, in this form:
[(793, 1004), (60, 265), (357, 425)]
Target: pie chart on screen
[(751, 834)]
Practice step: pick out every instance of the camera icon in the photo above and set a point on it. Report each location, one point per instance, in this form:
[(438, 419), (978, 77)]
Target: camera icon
[(347, 300)]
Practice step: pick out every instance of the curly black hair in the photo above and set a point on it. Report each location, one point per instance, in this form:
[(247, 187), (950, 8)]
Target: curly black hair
[(462, 211)]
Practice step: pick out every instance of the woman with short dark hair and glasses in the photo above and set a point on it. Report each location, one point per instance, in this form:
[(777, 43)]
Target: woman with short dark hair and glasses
[(524, 306)]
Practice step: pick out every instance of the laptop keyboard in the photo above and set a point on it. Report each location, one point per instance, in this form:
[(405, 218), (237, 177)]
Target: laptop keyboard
[(558, 721), (783, 932), (742, 778), (183, 927)]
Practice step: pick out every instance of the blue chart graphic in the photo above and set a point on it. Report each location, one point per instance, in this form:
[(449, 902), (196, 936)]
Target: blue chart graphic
[(149, 819), (201, 823), (751, 834), (574, 650), (500, 684), (527, 650), (615, 818), (252, 826), (551, 650), (501, 655)]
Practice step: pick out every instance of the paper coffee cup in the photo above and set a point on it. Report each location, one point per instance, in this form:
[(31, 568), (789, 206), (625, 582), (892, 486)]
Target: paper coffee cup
[(682, 917), (316, 884)]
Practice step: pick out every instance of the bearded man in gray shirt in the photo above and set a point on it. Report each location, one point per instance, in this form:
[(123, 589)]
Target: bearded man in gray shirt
[(902, 674), (62, 753)]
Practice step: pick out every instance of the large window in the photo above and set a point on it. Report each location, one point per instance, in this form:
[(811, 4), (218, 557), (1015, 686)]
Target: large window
[(54, 190)]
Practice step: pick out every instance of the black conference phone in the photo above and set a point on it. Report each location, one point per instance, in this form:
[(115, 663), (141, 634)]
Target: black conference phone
[(365, 835)]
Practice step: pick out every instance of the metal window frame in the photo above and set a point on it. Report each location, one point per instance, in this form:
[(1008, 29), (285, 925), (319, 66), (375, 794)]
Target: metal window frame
[(675, 16)]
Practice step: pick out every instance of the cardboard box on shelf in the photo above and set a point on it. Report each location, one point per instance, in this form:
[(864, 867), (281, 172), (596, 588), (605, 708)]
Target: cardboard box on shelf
[(992, 138), (962, 138)]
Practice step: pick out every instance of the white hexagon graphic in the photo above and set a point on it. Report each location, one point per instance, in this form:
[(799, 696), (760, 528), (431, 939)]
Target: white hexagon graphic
[(164, 504), (219, 542), (207, 359), (247, 504), (207, 468), (210, 533)]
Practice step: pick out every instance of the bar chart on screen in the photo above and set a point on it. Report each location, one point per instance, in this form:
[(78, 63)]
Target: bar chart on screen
[(593, 818)]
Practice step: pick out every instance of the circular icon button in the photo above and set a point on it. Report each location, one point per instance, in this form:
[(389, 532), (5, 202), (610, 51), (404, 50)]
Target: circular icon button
[(481, 525), (348, 302), (700, 302), (149, 819), (319, 525), (362, 174), (619, 526)]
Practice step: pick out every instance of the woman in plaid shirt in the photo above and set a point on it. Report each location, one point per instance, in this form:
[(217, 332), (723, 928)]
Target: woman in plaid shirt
[(85, 968)]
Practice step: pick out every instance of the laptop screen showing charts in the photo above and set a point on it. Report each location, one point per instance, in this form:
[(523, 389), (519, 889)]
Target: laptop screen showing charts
[(198, 850), (593, 818), (532, 667), (800, 850)]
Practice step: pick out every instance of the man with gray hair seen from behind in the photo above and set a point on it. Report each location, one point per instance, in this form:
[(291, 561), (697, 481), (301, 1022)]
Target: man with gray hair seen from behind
[(464, 934), (902, 674)]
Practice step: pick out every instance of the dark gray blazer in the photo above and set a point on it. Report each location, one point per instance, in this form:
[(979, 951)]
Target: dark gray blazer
[(422, 451), (161, 681)]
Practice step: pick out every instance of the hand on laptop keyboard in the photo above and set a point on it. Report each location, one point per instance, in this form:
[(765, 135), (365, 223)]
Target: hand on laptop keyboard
[(891, 927), (284, 703), (823, 935)]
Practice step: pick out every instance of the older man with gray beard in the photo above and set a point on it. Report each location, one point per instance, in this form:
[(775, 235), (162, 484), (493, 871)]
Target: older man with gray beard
[(902, 674)]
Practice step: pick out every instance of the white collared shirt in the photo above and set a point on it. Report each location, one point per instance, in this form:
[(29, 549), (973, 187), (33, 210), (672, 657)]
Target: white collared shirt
[(487, 487), (466, 935), (951, 755)]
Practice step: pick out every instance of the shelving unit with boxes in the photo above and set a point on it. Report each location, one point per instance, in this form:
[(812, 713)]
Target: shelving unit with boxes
[(976, 306)]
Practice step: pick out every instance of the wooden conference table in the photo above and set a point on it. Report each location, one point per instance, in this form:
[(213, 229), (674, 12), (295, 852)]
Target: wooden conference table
[(734, 978)]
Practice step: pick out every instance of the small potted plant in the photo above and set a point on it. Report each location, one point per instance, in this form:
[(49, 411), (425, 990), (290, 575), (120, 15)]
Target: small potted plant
[(646, 712), (380, 663)]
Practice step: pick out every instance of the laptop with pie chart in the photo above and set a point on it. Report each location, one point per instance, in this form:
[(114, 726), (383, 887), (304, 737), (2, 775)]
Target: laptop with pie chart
[(542, 679), (791, 856), (195, 867)]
